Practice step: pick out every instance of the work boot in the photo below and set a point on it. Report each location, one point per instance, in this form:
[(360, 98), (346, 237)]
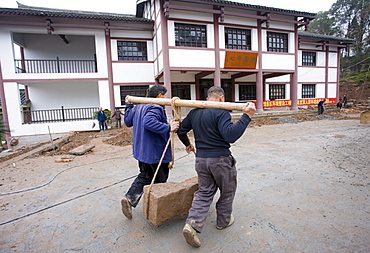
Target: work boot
[(126, 208), (230, 223), (191, 236)]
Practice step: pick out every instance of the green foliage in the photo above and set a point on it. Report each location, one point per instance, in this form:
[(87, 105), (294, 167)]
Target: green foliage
[(346, 18), (2, 130), (106, 112)]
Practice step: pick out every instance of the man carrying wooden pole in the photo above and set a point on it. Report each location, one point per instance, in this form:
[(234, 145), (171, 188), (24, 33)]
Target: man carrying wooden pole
[(215, 166), (150, 134)]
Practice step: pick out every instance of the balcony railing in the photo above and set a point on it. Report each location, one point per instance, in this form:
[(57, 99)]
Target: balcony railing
[(55, 66), (58, 115)]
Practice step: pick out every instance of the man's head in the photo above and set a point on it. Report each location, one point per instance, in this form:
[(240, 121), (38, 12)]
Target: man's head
[(216, 93), (156, 90)]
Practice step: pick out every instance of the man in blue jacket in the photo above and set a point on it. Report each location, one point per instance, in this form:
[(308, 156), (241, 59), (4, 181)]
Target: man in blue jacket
[(215, 166), (150, 135), (101, 119)]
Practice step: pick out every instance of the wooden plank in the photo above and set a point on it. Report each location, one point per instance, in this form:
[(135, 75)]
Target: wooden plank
[(187, 103)]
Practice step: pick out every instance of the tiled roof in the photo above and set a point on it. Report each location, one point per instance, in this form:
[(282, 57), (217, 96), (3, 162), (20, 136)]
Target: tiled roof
[(321, 36), (24, 10), (231, 3)]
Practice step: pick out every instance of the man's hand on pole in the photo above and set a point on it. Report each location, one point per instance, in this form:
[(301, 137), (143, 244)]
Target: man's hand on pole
[(249, 109), (190, 148)]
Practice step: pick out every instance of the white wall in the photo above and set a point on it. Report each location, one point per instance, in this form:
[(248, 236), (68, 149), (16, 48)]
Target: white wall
[(133, 72), (70, 95), (278, 61), (307, 74), (192, 58)]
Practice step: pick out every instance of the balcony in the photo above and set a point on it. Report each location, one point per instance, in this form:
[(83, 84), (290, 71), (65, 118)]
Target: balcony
[(59, 115), (55, 66)]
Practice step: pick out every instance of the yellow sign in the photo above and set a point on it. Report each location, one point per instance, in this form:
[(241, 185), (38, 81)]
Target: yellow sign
[(240, 60)]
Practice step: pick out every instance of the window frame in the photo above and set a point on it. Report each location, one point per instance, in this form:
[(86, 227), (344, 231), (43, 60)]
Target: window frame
[(279, 43), (309, 58), (133, 90), (248, 91), (277, 91), (141, 47), (189, 33), (308, 90), (238, 33)]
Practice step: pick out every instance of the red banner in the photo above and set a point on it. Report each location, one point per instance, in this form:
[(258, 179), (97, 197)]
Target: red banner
[(240, 60), (308, 101)]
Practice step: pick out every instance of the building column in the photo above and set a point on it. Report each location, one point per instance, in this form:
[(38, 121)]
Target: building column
[(217, 74), (338, 74), (8, 135), (109, 66), (294, 76), (259, 75), (326, 70)]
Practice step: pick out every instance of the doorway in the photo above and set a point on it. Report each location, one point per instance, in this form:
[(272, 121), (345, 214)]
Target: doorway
[(226, 85)]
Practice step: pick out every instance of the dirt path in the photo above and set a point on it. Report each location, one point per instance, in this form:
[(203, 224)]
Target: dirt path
[(301, 188)]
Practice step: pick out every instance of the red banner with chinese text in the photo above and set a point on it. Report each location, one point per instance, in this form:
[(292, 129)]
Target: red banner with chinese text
[(308, 101)]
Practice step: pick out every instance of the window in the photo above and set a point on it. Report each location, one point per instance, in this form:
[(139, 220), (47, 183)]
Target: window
[(277, 42), (137, 90), (308, 91), (181, 91), (190, 35), (309, 58), (132, 51), (237, 39), (247, 92), (277, 91)]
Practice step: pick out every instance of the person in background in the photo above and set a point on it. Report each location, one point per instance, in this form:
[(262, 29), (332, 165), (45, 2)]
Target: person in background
[(320, 107), (345, 101), (150, 135), (117, 113), (213, 132), (101, 119)]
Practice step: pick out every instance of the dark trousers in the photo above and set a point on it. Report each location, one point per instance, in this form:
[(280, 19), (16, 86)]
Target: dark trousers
[(101, 125), (118, 122), (145, 178), (213, 173), (320, 110)]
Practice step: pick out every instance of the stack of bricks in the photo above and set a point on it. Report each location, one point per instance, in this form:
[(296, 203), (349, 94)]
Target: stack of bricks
[(168, 200)]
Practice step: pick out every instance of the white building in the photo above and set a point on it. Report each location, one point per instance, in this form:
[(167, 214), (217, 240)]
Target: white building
[(69, 63)]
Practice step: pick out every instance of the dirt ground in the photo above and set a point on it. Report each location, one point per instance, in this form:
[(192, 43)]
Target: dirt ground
[(303, 186)]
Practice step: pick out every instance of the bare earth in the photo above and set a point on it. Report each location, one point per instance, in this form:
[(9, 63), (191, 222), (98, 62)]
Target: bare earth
[(302, 187)]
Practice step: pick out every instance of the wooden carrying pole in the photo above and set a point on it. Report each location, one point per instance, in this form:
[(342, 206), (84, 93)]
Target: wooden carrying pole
[(187, 103)]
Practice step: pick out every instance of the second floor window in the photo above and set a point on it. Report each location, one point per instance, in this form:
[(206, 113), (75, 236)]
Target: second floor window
[(188, 35), (309, 58), (237, 39), (277, 42), (132, 51), (277, 91), (308, 90)]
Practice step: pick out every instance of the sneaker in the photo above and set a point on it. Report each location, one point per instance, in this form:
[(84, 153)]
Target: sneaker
[(126, 208), (191, 236), (230, 223)]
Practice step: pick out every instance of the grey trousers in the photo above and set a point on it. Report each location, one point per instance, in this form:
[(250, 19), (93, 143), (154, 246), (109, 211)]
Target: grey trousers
[(213, 174)]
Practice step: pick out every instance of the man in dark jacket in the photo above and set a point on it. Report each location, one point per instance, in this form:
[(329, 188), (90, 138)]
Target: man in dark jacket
[(101, 119), (215, 166), (150, 135), (320, 107), (117, 113)]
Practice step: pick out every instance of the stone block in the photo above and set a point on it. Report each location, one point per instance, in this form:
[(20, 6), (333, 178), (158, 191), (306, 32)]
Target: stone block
[(80, 150), (168, 200), (365, 117)]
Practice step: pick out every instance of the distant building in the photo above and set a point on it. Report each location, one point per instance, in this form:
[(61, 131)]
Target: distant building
[(66, 63)]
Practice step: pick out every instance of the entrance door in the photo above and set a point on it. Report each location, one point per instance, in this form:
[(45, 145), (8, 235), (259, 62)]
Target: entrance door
[(205, 84)]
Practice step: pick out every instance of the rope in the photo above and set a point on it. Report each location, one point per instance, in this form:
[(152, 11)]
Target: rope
[(177, 113)]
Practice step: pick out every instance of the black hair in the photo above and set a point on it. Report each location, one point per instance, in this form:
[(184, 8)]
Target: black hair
[(215, 91), (155, 90)]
